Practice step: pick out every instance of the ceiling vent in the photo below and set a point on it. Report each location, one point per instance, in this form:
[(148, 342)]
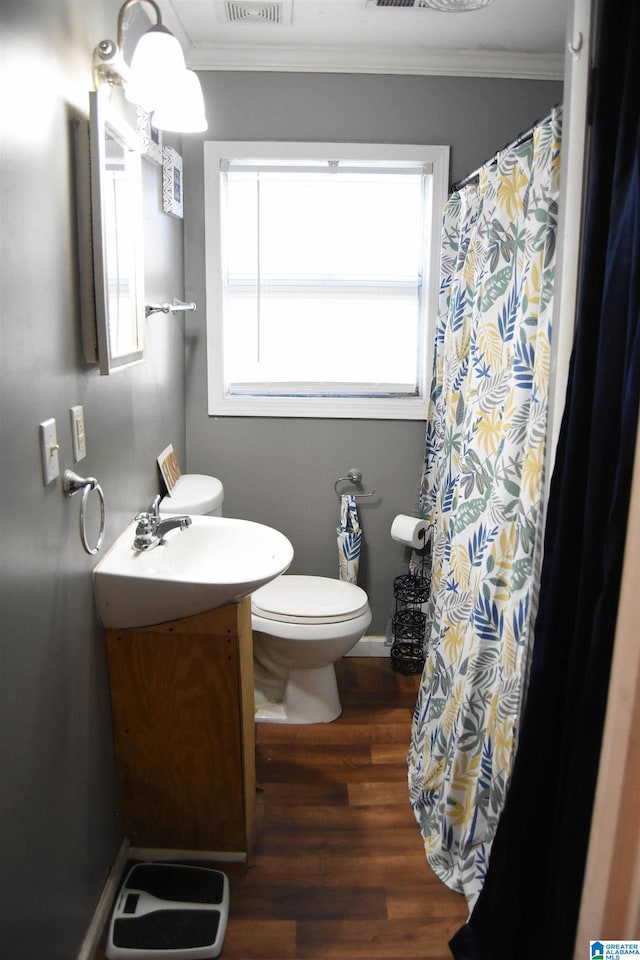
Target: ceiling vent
[(445, 6), (253, 11), (393, 3)]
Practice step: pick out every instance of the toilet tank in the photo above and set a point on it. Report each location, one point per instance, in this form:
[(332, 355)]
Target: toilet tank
[(195, 493)]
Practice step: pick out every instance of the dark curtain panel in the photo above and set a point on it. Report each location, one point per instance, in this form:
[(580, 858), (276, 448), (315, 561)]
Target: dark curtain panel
[(530, 902)]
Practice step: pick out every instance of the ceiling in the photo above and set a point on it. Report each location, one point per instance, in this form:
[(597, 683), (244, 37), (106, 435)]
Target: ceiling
[(517, 38)]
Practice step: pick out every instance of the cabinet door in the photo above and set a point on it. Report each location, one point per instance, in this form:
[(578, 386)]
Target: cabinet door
[(177, 713)]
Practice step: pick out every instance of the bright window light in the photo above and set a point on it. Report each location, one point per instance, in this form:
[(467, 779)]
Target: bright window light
[(320, 278)]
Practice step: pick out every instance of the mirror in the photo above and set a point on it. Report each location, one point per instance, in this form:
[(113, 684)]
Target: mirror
[(113, 307)]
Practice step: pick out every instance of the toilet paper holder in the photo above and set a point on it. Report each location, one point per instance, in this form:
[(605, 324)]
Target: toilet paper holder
[(353, 476)]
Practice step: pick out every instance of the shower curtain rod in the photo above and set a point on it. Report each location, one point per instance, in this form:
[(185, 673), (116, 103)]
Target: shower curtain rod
[(521, 138)]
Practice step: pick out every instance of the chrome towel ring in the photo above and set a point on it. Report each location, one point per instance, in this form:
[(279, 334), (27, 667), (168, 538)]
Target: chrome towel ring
[(71, 484)]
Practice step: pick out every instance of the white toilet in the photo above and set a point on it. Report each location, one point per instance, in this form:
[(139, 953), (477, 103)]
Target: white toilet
[(195, 493), (301, 626)]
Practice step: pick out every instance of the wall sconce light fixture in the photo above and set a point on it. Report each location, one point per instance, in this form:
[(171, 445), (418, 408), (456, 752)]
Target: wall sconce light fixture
[(157, 79)]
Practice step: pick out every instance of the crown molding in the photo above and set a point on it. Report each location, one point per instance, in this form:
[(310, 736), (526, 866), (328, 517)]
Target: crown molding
[(414, 61)]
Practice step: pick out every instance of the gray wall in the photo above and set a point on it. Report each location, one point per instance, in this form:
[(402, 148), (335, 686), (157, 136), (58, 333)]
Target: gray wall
[(59, 830), (281, 471)]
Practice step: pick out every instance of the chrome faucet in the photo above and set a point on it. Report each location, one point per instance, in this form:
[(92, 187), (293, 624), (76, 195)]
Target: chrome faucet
[(152, 528)]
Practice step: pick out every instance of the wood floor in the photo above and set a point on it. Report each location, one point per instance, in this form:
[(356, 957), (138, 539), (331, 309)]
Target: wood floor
[(338, 870)]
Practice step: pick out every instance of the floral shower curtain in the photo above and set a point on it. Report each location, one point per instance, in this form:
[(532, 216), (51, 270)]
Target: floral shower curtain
[(481, 492)]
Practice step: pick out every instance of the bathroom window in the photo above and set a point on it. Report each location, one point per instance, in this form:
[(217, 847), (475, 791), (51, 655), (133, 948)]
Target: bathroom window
[(322, 263)]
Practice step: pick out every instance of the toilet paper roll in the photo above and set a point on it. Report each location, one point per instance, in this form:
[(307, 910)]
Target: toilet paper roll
[(409, 530)]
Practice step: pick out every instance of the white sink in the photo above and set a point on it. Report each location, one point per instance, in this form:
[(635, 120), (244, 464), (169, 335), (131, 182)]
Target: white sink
[(214, 561)]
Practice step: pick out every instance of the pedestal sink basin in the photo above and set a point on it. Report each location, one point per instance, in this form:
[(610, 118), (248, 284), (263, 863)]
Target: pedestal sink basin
[(216, 560)]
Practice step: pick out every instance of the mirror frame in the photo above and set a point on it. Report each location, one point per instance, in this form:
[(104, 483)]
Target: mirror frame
[(105, 119)]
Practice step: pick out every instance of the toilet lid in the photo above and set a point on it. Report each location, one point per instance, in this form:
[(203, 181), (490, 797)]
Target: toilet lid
[(294, 599), (194, 493)]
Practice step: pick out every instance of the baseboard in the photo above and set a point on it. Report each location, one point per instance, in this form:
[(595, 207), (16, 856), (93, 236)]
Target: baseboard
[(158, 854), (371, 647), (102, 912)]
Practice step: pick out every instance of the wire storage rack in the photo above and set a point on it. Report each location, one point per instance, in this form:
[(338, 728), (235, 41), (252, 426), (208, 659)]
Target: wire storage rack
[(411, 592)]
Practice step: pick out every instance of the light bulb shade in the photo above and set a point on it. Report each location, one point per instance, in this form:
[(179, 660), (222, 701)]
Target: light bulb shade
[(182, 106), (156, 64)]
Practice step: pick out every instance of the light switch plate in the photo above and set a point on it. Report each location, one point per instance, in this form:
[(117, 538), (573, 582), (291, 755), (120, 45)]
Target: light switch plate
[(78, 438), (49, 450)]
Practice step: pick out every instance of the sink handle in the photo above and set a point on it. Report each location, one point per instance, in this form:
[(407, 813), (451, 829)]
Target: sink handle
[(145, 520), (150, 518)]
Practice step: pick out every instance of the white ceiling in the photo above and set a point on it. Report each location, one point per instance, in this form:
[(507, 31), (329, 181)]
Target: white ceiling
[(519, 38)]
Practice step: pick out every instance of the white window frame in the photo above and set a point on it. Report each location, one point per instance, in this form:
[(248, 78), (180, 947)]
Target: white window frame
[(375, 408)]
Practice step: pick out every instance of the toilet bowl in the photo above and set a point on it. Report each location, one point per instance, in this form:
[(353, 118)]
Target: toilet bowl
[(301, 626)]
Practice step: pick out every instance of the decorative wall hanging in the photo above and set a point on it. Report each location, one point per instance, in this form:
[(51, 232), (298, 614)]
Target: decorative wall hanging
[(150, 138), (171, 182)]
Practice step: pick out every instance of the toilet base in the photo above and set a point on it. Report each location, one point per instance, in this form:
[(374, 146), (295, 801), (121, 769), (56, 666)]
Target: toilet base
[(310, 696)]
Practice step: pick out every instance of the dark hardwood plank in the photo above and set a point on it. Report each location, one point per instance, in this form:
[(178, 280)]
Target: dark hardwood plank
[(337, 869), (316, 904), (378, 793), (334, 868), (259, 939), (314, 818), (281, 771), (423, 902), (381, 939), (359, 840), (369, 728)]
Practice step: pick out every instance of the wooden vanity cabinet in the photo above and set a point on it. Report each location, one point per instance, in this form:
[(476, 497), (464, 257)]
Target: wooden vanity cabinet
[(184, 730)]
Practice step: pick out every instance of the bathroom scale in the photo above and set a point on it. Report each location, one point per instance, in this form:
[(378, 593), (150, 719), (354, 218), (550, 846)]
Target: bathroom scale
[(169, 911)]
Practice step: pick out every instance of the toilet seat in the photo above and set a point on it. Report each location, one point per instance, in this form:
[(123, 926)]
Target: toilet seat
[(301, 626), (302, 599)]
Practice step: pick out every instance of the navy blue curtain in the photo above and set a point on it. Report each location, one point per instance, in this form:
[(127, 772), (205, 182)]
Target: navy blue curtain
[(529, 905)]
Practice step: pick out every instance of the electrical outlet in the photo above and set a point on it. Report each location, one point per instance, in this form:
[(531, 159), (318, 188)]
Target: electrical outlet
[(78, 438), (49, 447)]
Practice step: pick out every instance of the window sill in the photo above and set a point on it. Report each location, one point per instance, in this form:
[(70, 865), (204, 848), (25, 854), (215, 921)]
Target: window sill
[(355, 408)]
